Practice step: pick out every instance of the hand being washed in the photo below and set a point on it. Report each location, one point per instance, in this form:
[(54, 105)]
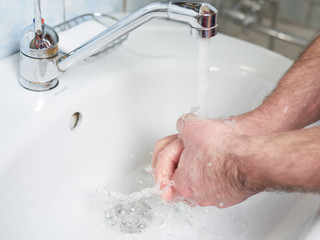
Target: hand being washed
[(203, 164), (217, 163)]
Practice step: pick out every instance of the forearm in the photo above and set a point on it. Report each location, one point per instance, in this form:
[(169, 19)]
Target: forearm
[(287, 161), (294, 104)]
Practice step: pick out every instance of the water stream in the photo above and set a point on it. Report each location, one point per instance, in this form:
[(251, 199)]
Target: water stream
[(203, 67)]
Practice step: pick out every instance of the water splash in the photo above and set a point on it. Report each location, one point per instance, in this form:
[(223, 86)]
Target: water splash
[(130, 208), (132, 213), (136, 196)]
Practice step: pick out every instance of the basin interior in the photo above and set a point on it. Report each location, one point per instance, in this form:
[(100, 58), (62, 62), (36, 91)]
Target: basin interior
[(62, 182)]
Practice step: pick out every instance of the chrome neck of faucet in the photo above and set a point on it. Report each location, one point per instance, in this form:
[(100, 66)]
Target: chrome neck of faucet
[(114, 32), (201, 17), (37, 17)]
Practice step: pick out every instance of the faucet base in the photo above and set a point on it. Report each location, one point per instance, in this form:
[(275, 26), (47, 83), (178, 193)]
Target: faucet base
[(38, 86)]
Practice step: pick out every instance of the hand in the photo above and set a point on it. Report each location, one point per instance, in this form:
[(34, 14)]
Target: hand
[(202, 162)]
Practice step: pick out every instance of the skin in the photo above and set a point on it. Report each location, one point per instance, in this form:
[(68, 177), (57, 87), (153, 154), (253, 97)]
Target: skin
[(293, 104), (215, 163)]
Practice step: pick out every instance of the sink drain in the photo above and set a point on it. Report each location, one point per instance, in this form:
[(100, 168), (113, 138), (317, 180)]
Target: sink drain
[(130, 218)]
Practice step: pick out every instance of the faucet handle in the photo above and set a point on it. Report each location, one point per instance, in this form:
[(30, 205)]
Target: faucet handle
[(38, 50), (38, 71), (43, 45)]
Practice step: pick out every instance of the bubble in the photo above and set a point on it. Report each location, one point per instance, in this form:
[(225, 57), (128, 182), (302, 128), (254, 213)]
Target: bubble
[(148, 169)]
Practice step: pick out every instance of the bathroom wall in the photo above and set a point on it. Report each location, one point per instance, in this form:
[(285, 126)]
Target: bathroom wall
[(17, 14), (131, 5), (303, 12), (298, 16)]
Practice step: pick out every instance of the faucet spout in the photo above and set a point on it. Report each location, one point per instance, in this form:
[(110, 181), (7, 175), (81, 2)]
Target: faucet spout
[(40, 63), (201, 17)]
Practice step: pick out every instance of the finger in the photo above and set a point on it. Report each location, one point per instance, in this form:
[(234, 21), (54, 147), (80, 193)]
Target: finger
[(167, 161), (167, 194), (183, 120), (159, 146)]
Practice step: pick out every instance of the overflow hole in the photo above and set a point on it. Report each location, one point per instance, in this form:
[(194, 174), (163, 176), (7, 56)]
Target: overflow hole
[(75, 120)]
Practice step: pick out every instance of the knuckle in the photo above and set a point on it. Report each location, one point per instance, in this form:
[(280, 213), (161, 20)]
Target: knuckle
[(159, 143), (161, 155)]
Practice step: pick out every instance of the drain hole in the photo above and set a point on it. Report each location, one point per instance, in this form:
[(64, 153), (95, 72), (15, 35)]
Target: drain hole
[(75, 120), (130, 218)]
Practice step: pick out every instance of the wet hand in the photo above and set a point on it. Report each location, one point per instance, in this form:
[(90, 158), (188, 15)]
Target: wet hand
[(202, 162)]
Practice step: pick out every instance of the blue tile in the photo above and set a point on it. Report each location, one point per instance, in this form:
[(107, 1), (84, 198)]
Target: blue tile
[(133, 5), (77, 7)]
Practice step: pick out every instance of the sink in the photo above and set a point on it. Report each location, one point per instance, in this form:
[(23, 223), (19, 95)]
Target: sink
[(68, 153)]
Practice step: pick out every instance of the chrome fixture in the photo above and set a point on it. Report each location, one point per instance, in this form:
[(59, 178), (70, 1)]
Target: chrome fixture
[(41, 63)]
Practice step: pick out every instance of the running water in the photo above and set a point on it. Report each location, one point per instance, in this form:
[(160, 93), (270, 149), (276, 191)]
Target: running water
[(203, 67)]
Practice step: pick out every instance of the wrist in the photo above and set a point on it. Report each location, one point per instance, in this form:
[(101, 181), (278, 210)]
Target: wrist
[(258, 122), (250, 167)]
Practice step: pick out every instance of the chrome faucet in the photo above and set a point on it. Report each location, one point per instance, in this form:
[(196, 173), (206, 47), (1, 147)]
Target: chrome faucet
[(41, 63)]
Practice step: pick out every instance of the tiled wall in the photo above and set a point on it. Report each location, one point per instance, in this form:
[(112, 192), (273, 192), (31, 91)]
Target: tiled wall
[(77, 7), (132, 5), (300, 18), (15, 15), (303, 12)]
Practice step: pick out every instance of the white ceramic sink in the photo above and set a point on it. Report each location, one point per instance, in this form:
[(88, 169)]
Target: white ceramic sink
[(54, 181)]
